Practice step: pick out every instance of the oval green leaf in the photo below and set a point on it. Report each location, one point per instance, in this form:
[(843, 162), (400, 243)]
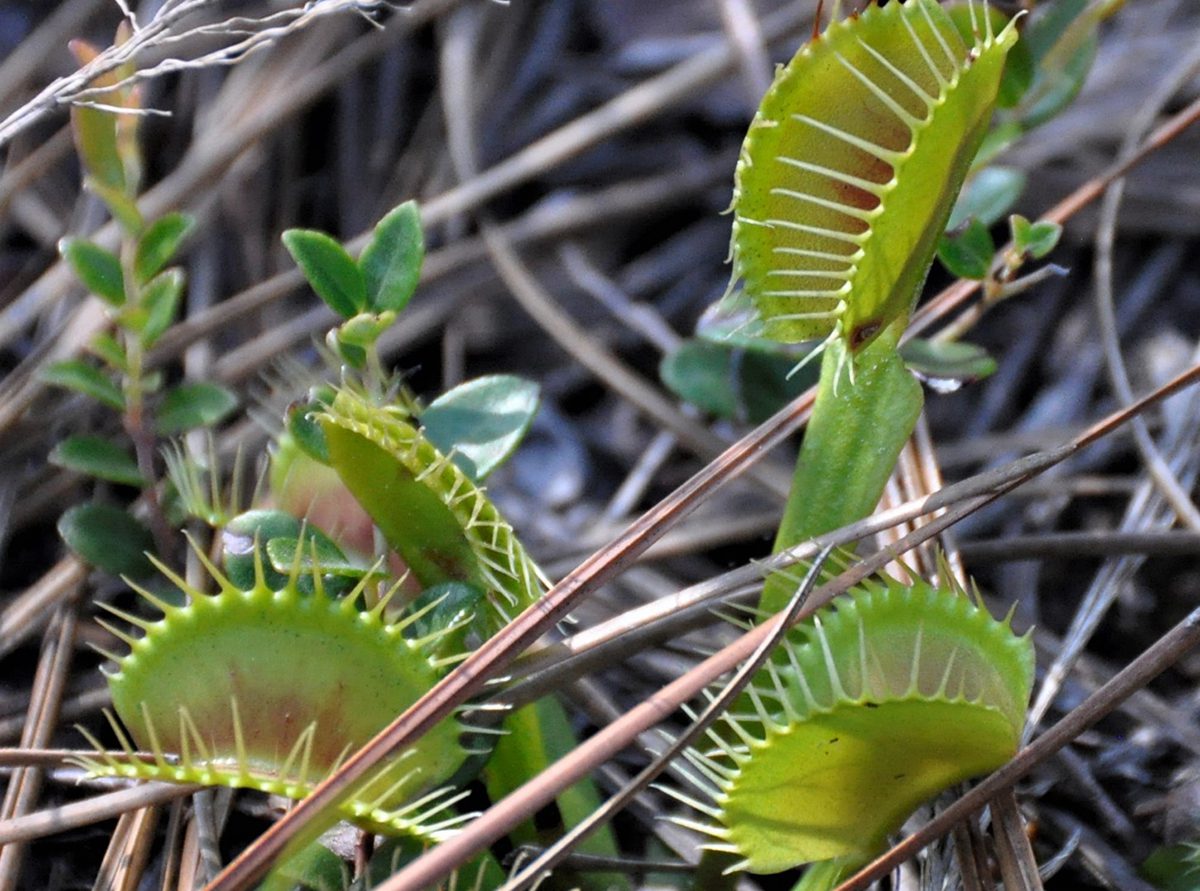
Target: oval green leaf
[(189, 406), (480, 423), (159, 243), (77, 375), (107, 537), (160, 299), (391, 263), (988, 196), (98, 269), (331, 271), (97, 457), (968, 251)]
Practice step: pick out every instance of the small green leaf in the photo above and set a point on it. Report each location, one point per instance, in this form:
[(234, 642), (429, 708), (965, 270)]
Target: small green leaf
[(160, 299), (123, 208), (391, 263), (97, 457), (700, 373), (104, 346), (95, 135), (332, 560), (77, 375), (194, 405), (98, 269), (278, 536), (237, 545), (314, 868), (987, 196), (482, 421), (107, 537), (364, 329), (1056, 87), (331, 271), (1002, 135), (351, 353), (1034, 239), (947, 365), (159, 243), (456, 603), (306, 432), (968, 252), (731, 382)]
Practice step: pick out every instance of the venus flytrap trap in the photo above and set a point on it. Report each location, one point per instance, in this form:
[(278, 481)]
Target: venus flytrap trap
[(881, 700), (269, 688)]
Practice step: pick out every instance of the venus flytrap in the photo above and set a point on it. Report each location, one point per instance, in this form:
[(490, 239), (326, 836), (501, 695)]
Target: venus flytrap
[(320, 630), (846, 180)]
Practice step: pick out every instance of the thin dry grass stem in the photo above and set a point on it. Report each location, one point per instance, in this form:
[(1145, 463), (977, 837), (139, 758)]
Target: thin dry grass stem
[(19, 175), (173, 850), (29, 609), (1156, 465), (85, 813), (1017, 863), (746, 34), (1165, 652), (1064, 545), (128, 851), (970, 854), (49, 680)]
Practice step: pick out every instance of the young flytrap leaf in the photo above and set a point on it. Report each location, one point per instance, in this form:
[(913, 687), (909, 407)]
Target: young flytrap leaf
[(852, 164), (428, 509), (881, 701), (446, 530), (270, 689), (1034, 239)]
